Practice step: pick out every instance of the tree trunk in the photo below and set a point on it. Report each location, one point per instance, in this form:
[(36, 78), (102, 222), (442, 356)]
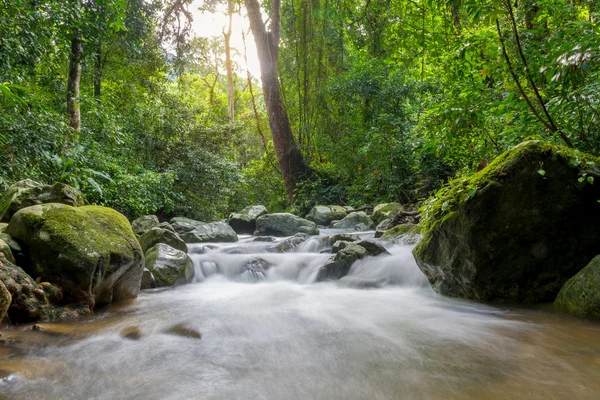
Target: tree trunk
[(455, 8), (290, 160), (73, 80), (98, 70), (230, 87)]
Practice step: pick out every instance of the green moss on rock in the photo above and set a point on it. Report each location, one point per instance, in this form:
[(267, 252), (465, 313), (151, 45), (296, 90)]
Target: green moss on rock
[(93, 247), (400, 230), (385, 211), (581, 294), (516, 230)]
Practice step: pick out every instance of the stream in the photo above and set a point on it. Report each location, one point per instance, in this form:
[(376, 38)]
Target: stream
[(379, 333)]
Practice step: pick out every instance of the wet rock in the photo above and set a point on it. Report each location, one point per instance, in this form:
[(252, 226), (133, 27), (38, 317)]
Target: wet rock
[(192, 231), (339, 245), (148, 281), (323, 215), (5, 249), (158, 235), (581, 294), (184, 331), (8, 377), (284, 224), (265, 239), (332, 223), (291, 243), (144, 224), (169, 265), (401, 230), (88, 248), (358, 221), (167, 226), (255, 270), (131, 333), (386, 211), (517, 230), (373, 248), (340, 264), (245, 220), (347, 237), (28, 193), (382, 227)]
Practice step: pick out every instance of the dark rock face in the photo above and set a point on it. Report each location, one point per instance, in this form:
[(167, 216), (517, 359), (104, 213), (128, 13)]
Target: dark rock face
[(192, 231), (91, 247), (28, 193), (339, 265), (581, 294), (372, 247), (517, 230), (245, 220), (284, 224)]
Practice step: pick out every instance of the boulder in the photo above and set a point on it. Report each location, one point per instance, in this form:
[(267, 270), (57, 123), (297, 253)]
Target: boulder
[(517, 230), (290, 244), (339, 265), (347, 237), (339, 245), (581, 294), (93, 247), (29, 193), (323, 215), (358, 221), (169, 265), (332, 223), (245, 220), (265, 239), (192, 231), (284, 224), (15, 249), (3, 226), (167, 226), (159, 235), (386, 211), (382, 227), (5, 249), (144, 224), (401, 230), (373, 248), (148, 281), (30, 301)]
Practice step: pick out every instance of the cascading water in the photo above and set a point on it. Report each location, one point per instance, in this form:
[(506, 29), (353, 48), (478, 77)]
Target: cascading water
[(270, 332)]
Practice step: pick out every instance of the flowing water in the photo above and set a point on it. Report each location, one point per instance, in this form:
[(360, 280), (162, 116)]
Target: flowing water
[(272, 333)]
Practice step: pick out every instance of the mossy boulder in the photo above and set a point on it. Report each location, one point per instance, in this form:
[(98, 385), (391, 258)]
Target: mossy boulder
[(385, 211), (323, 215), (27, 193), (284, 224), (244, 222), (358, 221), (159, 235), (517, 230), (93, 247), (339, 265), (5, 249), (169, 265), (144, 223), (30, 301), (401, 230), (581, 294)]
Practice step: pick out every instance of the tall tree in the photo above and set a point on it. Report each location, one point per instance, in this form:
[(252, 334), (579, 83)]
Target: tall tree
[(293, 167), (74, 75), (228, 67)]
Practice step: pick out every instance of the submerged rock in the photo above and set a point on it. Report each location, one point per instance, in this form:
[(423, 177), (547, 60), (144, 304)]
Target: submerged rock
[(255, 269), (284, 224), (265, 239), (93, 247), (169, 265), (517, 230), (340, 264), (184, 331), (28, 193), (323, 215), (131, 333), (158, 235), (245, 220), (581, 294), (144, 224), (358, 221), (386, 211)]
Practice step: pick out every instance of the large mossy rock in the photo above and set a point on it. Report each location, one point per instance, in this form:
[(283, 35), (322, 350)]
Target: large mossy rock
[(581, 294), (323, 215), (192, 231), (401, 230), (5, 249), (144, 223), (245, 220), (339, 265), (358, 221), (30, 301), (169, 265), (28, 193), (93, 247), (159, 235), (284, 224), (517, 230), (386, 211)]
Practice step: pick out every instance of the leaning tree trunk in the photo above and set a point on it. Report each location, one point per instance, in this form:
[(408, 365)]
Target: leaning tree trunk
[(73, 80), (290, 160)]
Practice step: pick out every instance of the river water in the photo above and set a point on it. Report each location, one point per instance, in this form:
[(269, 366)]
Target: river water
[(380, 333)]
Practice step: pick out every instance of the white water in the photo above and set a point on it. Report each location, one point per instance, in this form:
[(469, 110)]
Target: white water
[(285, 337)]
